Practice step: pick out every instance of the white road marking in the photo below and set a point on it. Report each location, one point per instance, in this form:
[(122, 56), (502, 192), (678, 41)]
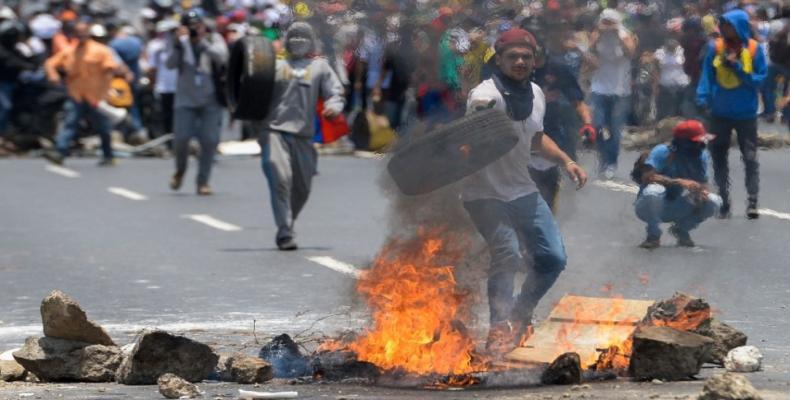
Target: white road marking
[(617, 186), (631, 188), (213, 222), (126, 193), (336, 265), (68, 173)]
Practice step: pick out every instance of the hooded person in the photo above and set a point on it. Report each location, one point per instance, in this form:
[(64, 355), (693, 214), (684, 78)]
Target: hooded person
[(733, 72), (503, 200), (288, 157), (674, 185)]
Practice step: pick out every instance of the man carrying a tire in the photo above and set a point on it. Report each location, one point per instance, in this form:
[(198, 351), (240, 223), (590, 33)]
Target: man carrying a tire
[(288, 157), (198, 55), (503, 200)]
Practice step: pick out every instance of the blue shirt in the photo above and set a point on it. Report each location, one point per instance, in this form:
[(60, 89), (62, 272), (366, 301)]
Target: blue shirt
[(129, 49), (659, 159)]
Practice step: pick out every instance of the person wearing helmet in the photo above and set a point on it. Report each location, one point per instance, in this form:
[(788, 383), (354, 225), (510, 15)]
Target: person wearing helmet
[(198, 55), (287, 154), (88, 68)]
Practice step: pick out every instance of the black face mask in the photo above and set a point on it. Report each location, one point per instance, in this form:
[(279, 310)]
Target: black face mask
[(518, 95)]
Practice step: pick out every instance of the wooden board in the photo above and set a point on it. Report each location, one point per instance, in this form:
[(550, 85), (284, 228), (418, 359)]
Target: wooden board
[(582, 325)]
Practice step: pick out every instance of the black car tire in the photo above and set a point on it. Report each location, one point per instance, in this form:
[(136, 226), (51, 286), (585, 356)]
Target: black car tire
[(250, 82)]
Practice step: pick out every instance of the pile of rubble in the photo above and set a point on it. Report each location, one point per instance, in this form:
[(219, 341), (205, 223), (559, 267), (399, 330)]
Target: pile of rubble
[(75, 349)]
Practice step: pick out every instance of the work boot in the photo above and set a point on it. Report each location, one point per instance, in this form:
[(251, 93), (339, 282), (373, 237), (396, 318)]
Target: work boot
[(286, 244), (684, 239), (651, 243), (752, 212), (175, 181), (502, 338), (54, 157), (204, 190), (724, 211)]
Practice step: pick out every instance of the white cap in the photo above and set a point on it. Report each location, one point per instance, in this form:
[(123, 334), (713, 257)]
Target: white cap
[(166, 25), (98, 31), (7, 13)]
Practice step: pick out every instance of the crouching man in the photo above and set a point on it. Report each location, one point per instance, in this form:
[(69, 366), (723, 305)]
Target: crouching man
[(503, 200), (674, 185)]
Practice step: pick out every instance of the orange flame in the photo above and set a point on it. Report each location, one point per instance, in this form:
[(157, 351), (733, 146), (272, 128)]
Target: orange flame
[(418, 312)]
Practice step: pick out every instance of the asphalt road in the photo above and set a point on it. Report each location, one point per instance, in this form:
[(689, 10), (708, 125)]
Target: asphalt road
[(147, 262)]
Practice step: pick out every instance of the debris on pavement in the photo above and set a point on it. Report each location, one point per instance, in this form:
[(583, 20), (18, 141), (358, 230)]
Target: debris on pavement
[(341, 365), (53, 360), (241, 368), (725, 338), (744, 359), (565, 370), (729, 386), (286, 358), (173, 387), (248, 395), (11, 371), (669, 354), (157, 352), (63, 318)]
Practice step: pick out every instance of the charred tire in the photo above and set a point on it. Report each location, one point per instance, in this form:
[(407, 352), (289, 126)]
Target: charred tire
[(250, 82), (452, 152)]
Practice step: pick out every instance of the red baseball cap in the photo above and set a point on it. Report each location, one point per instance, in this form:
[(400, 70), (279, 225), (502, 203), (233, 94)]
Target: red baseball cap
[(515, 37), (693, 130)]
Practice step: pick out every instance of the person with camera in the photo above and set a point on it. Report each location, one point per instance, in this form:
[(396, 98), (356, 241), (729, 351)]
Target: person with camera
[(200, 57)]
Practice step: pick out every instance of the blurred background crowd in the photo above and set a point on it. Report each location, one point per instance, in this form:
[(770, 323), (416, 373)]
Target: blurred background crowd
[(403, 62)]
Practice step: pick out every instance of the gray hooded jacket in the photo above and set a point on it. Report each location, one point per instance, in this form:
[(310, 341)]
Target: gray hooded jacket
[(299, 83)]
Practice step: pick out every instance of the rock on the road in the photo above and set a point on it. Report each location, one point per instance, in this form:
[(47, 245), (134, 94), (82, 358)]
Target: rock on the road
[(729, 386), (241, 368), (156, 353), (11, 371), (565, 370), (725, 338), (744, 359), (173, 387), (668, 354), (53, 360), (63, 318)]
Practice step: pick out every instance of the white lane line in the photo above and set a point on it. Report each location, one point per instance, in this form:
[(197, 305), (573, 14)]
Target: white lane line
[(617, 186), (68, 173), (126, 193), (336, 265), (213, 222), (631, 188)]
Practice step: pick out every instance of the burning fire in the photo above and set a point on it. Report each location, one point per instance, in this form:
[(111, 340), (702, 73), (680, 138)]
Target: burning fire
[(418, 312)]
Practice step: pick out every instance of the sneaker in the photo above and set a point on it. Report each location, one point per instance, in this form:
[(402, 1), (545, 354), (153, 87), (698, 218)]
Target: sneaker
[(175, 181), (286, 244), (650, 244), (724, 212), (684, 239), (608, 173), (502, 338), (204, 190), (107, 162), (752, 212), (54, 157)]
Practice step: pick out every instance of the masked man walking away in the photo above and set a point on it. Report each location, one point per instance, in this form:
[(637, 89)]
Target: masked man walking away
[(503, 201), (287, 154), (732, 74), (674, 186), (199, 56), (88, 68)]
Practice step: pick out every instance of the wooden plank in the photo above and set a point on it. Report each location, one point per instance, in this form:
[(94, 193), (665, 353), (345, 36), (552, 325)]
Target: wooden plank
[(599, 310)]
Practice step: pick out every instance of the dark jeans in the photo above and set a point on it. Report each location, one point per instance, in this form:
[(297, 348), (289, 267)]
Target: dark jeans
[(166, 102), (669, 102), (769, 87), (720, 146), (507, 227), (205, 124), (73, 112), (6, 104), (609, 112)]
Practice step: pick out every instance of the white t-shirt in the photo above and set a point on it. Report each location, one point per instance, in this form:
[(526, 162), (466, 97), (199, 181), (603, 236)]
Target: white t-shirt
[(506, 179), (166, 78), (671, 68), (613, 76)]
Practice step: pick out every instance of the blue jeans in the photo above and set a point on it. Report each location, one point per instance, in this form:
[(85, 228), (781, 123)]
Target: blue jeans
[(653, 207), (74, 111), (204, 123), (507, 227), (6, 103), (769, 87), (609, 111)]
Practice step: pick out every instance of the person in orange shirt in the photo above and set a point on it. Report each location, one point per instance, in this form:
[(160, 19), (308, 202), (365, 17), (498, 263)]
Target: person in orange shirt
[(88, 69)]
